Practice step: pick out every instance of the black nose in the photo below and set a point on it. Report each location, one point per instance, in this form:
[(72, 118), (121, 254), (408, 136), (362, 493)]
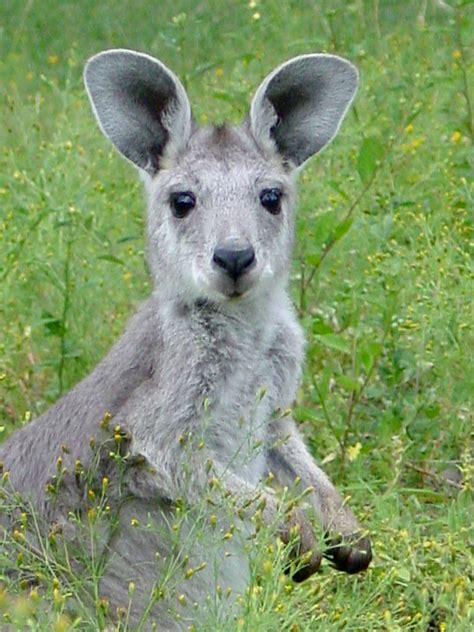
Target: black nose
[(234, 258)]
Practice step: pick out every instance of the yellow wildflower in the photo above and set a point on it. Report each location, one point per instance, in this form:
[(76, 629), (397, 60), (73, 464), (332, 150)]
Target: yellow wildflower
[(58, 598), (267, 566), (353, 451), (62, 624)]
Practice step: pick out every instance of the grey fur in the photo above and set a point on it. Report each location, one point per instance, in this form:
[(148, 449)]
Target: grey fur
[(205, 366)]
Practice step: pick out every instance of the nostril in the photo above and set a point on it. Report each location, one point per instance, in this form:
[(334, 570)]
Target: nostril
[(234, 261), (221, 257), (244, 259)]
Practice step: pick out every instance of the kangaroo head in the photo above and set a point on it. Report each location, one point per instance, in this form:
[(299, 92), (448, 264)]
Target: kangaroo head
[(220, 219)]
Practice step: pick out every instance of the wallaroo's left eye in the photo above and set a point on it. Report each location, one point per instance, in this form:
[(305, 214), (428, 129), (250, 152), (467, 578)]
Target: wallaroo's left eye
[(271, 200)]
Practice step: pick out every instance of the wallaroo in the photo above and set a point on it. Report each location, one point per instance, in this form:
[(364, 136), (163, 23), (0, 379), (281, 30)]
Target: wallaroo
[(183, 432)]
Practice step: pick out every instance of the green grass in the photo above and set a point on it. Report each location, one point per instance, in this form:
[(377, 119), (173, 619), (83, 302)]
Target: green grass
[(383, 274)]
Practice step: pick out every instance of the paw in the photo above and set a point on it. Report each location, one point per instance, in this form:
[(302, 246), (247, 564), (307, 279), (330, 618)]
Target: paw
[(307, 566), (298, 533), (351, 555)]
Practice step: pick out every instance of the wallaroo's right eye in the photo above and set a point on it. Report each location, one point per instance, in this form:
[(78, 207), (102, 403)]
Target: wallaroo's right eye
[(181, 203)]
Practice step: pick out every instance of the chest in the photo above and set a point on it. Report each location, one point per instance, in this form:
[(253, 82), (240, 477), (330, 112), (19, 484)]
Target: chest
[(244, 374)]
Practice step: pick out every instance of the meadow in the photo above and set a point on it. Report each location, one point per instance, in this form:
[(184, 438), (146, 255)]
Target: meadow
[(382, 279)]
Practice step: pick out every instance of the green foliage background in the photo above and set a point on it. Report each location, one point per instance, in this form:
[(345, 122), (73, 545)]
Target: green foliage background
[(382, 276)]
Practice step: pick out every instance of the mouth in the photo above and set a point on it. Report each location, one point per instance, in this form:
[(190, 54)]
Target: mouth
[(233, 295), (236, 291), (221, 288), (236, 295)]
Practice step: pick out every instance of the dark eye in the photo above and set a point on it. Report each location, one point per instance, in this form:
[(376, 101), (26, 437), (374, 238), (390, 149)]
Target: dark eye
[(182, 203), (271, 200)]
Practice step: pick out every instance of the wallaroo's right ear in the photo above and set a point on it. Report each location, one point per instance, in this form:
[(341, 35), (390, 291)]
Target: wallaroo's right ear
[(141, 106), (298, 108)]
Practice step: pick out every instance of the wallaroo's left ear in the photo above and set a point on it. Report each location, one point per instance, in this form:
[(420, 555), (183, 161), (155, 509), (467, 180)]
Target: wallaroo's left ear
[(299, 107)]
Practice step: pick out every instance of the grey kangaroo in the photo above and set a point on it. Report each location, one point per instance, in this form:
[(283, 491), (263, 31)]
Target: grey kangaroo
[(198, 388)]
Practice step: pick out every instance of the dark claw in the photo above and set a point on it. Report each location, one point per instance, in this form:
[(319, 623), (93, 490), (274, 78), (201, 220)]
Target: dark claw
[(350, 555), (302, 554), (308, 569)]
